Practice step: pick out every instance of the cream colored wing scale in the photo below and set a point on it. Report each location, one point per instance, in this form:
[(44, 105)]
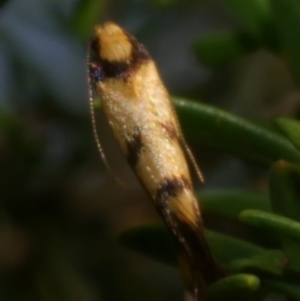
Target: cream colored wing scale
[(143, 121)]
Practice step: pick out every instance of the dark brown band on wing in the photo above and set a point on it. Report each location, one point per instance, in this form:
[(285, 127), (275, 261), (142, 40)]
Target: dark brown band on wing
[(170, 130), (200, 255), (117, 69), (134, 147), (191, 240), (190, 237), (171, 187)]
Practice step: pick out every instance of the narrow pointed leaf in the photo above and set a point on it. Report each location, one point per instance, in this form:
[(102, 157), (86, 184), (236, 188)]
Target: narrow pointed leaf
[(285, 198), (290, 290), (230, 204), (291, 129), (233, 287), (272, 222), (218, 129), (270, 261), (284, 189)]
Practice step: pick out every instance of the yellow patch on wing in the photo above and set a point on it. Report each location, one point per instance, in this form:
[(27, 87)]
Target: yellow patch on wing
[(183, 206), (115, 46)]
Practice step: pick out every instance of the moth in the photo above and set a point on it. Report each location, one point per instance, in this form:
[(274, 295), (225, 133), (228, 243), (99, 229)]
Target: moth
[(138, 109)]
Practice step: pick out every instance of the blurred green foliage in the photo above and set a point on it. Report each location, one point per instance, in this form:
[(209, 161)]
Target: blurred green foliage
[(61, 213)]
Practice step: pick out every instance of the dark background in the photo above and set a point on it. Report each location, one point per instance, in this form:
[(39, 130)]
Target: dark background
[(60, 209)]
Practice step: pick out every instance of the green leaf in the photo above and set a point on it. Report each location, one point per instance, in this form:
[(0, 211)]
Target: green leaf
[(291, 250), (226, 248), (253, 14), (86, 16), (290, 290), (284, 189), (287, 16), (233, 287), (272, 222), (285, 198), (230, 204), (154, 241), (291, 129), (269, 261), (221, 47), (206, 125)]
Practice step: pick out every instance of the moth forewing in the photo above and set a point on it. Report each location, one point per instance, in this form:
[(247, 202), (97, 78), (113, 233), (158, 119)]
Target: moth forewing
[(143, 121)]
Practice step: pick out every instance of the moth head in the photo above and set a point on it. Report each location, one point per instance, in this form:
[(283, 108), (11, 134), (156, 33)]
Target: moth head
[(114, 53), (113, 43)]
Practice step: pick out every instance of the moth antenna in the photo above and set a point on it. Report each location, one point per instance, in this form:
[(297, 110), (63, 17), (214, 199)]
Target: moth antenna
[(193, 160), (188, 150), (94, 125)]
